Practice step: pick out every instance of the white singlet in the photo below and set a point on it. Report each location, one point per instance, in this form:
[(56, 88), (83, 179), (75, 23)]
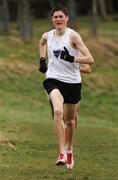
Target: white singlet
[(58, 68)]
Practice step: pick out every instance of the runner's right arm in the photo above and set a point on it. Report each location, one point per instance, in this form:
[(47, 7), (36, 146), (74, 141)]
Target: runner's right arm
[(42, 52)]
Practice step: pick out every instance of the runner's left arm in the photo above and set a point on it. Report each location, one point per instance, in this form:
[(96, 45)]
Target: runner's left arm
[(78, 43)]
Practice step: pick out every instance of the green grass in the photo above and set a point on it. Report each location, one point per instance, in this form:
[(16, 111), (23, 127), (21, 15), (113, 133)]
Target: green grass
[(28, 148), (36, 152)]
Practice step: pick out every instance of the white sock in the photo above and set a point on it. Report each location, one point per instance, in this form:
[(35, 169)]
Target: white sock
[(69, 150)]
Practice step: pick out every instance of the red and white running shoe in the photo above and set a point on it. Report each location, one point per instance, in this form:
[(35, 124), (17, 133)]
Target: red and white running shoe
[(61, 159), (70, 160)]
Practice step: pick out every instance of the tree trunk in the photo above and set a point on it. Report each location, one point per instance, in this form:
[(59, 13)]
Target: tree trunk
[(109, 6), (72, 12), (4, 16), (52, 3), (24, 18), (94, 17), (103, 11)]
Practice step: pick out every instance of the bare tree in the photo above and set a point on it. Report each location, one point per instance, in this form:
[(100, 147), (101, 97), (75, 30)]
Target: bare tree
[(103, 11), (4, 16), (109, 6), (25, 22), (72, 12), (94, 17), (52, 3)]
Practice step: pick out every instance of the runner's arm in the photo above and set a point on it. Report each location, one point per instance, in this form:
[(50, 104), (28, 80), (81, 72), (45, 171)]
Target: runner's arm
[(43, 45), (42, 52), (85, 68), (78, 43)]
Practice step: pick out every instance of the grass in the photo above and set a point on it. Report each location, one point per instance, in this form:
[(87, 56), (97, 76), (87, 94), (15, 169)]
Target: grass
[(28, 148)]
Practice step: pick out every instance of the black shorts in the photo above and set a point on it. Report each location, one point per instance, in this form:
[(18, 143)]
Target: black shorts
[(70, 92)]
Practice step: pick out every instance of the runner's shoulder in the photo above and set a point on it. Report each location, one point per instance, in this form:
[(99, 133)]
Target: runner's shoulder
[(74, 34), (45, 35)]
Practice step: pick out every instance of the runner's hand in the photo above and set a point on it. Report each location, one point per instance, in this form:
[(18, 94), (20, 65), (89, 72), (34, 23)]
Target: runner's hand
[(66, 56), (42, 65)]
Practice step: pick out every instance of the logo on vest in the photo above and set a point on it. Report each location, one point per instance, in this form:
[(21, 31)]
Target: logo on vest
[(57, 53)]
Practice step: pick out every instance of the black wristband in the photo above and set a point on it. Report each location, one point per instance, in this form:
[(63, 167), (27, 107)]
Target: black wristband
[(42, 58)]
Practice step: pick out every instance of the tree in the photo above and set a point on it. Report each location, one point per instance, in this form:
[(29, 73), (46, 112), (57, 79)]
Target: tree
[(52, 3), (103, 11), (94, 17), (4, 16), (109, 6), (24, 18), (72, 12)]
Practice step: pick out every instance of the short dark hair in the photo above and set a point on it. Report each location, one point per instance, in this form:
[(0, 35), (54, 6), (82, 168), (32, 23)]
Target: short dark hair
[(60, 8)]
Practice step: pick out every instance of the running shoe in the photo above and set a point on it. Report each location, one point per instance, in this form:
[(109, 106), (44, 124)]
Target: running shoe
[(70, 160), (61, 159)]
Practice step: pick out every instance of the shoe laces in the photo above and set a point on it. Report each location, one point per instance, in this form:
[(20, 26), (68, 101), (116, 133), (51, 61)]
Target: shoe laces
[(69, 158)]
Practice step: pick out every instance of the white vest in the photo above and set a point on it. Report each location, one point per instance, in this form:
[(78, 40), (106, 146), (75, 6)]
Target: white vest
[(57, 68)]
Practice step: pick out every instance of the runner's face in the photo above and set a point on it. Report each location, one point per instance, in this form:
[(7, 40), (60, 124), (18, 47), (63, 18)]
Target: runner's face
[(59, 20)]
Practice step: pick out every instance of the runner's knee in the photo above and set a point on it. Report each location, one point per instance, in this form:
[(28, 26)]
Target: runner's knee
[(58, 112)]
